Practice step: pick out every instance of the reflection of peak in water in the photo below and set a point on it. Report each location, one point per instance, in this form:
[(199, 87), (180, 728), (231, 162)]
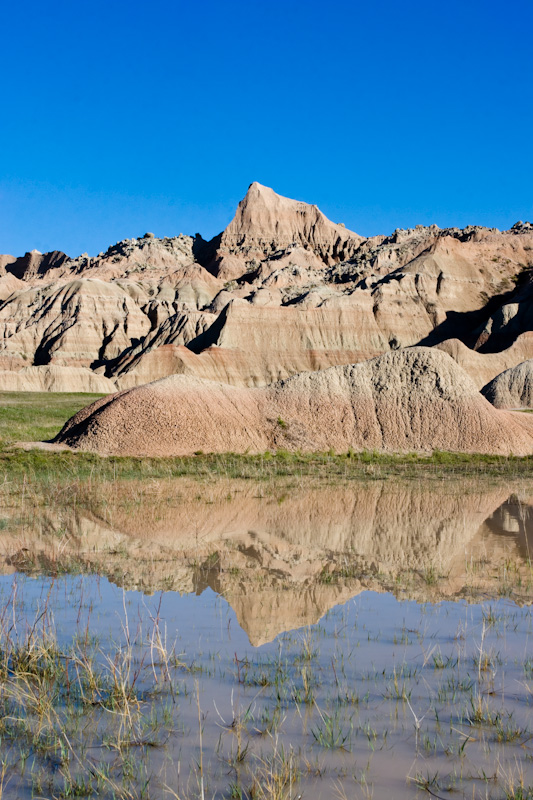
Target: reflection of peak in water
[(280, 561), (514, 520)]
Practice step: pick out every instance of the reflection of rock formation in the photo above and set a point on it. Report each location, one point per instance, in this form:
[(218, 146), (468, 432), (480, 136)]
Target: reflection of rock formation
[(512, 523), (281, 562)]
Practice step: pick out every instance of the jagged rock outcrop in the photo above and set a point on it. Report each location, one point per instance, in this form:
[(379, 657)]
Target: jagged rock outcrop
[(177, 330), (267, 225), (281, 290), (80, 324), (35, 264), (512, 388), (127, 258), (416, 399)]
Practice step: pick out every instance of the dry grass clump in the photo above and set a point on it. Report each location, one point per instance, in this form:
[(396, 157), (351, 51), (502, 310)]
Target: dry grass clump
[(71, 714)]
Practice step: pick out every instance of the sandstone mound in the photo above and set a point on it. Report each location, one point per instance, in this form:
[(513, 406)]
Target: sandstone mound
[(414, 399), (513, 388)]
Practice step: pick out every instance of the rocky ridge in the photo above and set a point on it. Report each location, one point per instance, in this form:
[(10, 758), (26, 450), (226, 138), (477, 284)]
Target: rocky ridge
[(281, 291)]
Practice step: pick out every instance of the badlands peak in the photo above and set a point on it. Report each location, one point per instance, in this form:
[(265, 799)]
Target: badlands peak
[(266, 222)]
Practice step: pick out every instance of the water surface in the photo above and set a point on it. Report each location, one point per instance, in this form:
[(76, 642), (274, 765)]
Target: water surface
[(254, 641)]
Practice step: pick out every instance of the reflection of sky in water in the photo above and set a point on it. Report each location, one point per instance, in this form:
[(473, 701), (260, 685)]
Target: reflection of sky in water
[(75, 600), (204, 622)]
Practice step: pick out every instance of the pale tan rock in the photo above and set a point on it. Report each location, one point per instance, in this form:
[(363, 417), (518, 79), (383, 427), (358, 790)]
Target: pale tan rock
[(34, 265), (266, 222), (509, 321), (265, 344), (265, 297), (55, 379), (191, 287), (8, 285), (5, 262), (169, 359), (512, 388), (483, 367), (71, 325), (177, 330), (417, 399), (254, 346)]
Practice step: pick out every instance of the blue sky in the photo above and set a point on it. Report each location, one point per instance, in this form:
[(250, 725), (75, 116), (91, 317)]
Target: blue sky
[(119, 118)]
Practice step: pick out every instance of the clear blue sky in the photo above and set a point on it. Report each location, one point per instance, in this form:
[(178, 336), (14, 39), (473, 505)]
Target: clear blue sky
[(119, 118)]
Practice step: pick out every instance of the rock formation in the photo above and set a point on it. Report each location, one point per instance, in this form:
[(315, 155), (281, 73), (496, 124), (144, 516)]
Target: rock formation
[(416, 399), (512, 388), (483, 367), (281, 291), (268, 227)]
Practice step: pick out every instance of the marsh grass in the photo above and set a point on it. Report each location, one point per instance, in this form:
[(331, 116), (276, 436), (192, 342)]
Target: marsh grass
[(61, 702), (63, 472), (90, 715)]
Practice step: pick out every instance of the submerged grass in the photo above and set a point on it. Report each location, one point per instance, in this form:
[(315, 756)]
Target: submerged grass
[(103, 696)]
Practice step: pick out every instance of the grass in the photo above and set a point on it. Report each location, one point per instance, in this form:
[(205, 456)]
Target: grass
[(43, 467), (58, 701), (37, 416), (331, 730)]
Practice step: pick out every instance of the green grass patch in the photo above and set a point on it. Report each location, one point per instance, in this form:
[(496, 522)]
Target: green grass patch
[(37, 467), (38, 416)]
